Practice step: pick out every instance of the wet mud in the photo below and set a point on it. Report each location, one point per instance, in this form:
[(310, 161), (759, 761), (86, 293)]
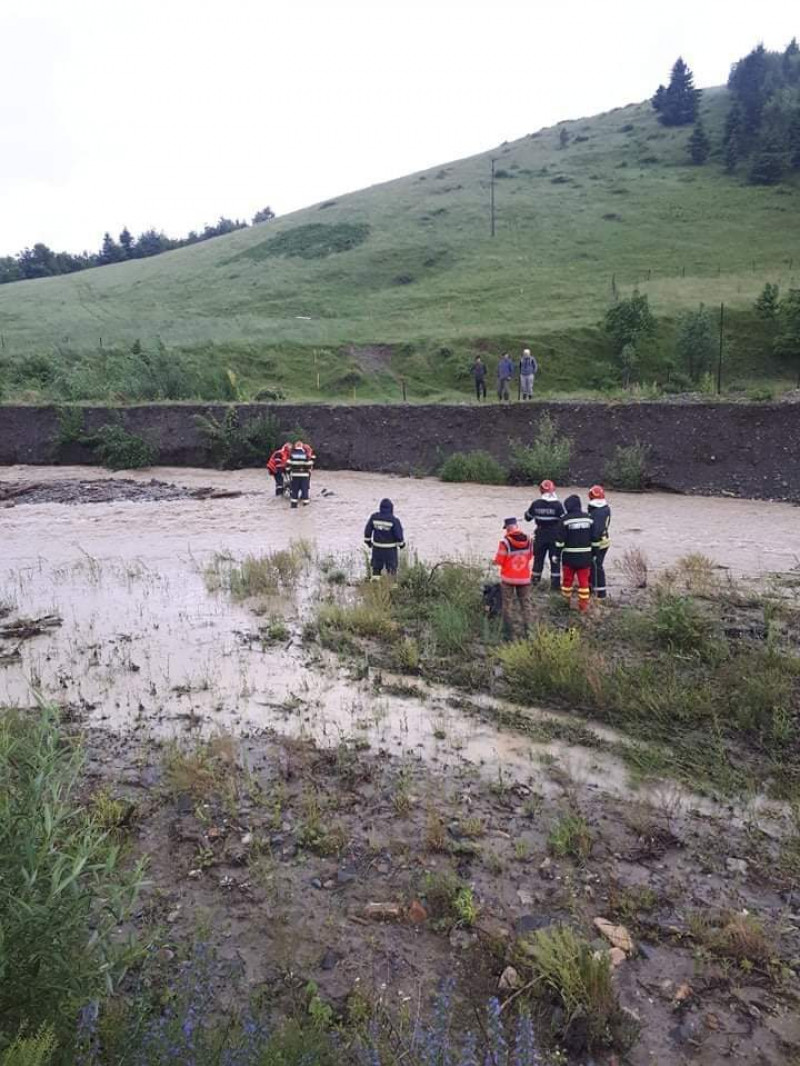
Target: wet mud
[(341, 786), (110, 490)]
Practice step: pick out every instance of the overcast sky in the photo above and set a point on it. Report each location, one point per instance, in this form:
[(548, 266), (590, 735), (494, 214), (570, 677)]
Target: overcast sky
[(168, 113)]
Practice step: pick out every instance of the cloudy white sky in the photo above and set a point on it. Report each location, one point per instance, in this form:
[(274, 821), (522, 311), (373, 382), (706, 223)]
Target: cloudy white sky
[(168, 113)]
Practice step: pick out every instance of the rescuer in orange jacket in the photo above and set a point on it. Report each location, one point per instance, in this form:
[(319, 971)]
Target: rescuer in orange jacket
[(515, 558), (276, 465)]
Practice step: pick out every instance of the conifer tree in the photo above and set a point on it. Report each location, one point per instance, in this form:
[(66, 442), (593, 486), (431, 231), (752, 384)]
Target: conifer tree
[(794, 141), (677, 104), (767, 167), (110, 251), (126, 243), (732, 138), (699, 145)]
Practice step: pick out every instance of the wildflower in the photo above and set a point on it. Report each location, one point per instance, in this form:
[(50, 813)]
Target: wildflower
[(525, 1050), (497, 1050)]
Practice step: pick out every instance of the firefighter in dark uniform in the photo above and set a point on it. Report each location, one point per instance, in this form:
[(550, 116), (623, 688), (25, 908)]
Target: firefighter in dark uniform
[(575, 536), (546, 512), (299, 467), (600, 514), (383, 533)]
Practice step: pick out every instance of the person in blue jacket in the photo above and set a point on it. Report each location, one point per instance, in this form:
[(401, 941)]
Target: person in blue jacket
[(383, 533)]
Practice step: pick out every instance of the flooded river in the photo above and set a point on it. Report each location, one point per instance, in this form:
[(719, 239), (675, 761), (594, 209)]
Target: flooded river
[(145, 647)]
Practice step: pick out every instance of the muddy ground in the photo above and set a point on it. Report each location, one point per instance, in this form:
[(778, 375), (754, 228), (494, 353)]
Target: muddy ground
[(279, 792)]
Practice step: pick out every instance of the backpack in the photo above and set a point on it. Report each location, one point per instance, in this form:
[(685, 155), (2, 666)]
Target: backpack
[(528, 365)]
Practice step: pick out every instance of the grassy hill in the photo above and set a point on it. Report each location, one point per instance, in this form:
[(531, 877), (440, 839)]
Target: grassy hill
[(420, 285)]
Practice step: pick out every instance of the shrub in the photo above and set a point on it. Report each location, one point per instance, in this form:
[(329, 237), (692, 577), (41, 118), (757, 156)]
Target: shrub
[(679, 625), (548, 457), (627, 469), (473, 466), (117, 449), (62, 894), (231, 444), (553, 662), (578, 980)]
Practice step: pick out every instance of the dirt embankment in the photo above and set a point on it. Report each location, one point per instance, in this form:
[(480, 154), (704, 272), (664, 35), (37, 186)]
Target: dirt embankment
[(741, 449)]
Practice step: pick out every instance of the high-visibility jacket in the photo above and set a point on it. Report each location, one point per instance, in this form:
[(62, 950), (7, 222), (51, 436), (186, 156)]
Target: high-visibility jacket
[(546, 512), (515, 558), (277, 461), (300, 463), (600, 513), (574, 539), (384, 529)]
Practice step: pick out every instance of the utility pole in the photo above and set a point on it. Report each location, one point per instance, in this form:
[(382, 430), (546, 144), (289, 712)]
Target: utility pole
[(719, 360), (491, 198)]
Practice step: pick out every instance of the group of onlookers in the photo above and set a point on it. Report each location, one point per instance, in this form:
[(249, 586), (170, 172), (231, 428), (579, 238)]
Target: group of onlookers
[(528, 369)]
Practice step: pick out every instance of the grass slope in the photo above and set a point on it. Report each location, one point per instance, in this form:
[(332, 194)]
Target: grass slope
[(428, 286)]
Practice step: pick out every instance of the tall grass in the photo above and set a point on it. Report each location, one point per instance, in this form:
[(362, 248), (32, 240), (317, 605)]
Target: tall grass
[(551, 663), (63, 890)]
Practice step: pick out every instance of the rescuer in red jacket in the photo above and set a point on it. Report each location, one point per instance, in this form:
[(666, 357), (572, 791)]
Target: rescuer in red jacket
[(515, 559)]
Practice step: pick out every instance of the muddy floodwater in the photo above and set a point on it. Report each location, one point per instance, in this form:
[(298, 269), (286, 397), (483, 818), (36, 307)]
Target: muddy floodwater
[(145, 645), (113, 604)]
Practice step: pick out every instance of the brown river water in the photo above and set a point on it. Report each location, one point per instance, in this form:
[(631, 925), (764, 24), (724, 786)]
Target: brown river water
[(145, 647)]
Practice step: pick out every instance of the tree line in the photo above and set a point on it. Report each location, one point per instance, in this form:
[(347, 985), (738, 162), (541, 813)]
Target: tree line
[(761, 136), (40, 261)]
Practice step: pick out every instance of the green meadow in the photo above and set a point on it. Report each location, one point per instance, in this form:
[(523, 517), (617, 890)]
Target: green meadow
[(402, 283)]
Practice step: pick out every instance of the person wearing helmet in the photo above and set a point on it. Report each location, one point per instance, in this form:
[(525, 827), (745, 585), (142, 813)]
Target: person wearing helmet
[(276, 465), (575, 541), (546, 512), (299, 466), (600, 513), (514, 556), (383, 533)]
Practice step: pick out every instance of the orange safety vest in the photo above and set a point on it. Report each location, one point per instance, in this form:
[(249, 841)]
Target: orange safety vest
[(515, 558)]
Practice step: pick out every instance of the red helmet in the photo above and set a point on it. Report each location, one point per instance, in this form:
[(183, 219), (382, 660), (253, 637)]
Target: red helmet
[(597, 492), (547, 486)]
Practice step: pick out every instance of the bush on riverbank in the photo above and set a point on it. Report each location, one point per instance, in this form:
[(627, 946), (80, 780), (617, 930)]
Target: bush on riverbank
[(477, 466)]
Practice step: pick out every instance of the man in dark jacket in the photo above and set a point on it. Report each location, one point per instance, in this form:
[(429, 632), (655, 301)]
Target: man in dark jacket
[(574, 539), (546, 512), (478, 371), (600, 514), (384, 534)]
